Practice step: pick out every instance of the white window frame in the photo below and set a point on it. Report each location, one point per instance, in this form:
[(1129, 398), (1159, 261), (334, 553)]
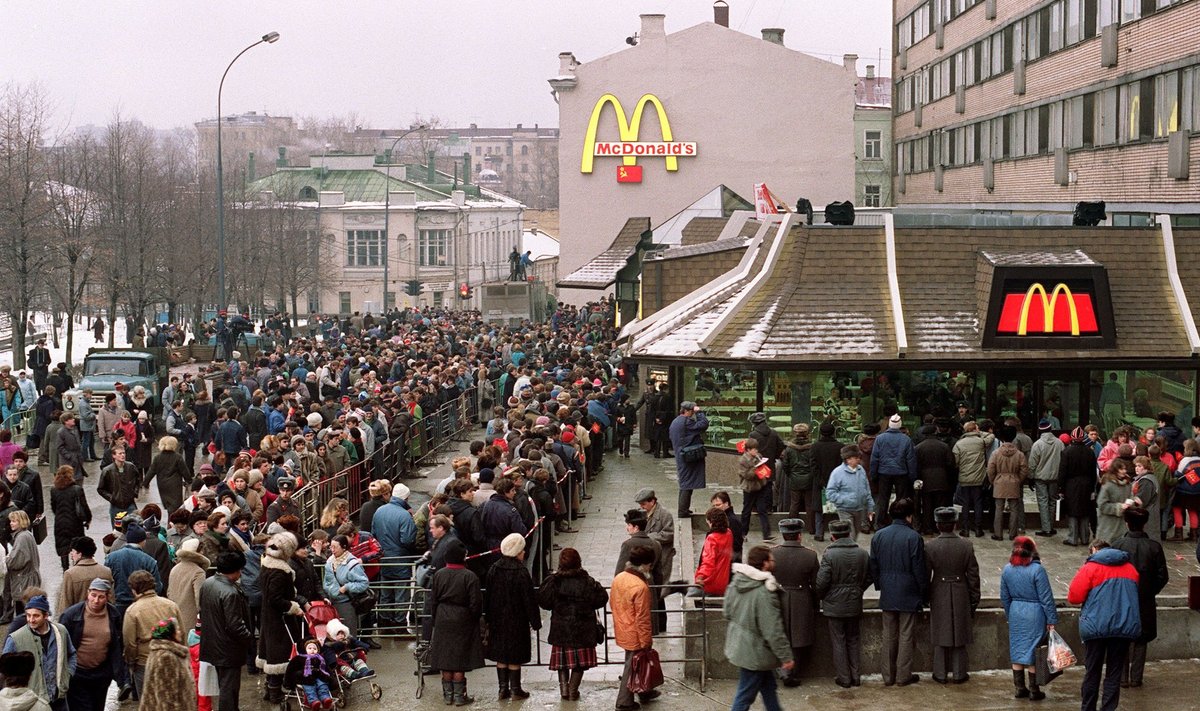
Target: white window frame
[(364, 248), (433, 247), (872, 195), (873, 147)]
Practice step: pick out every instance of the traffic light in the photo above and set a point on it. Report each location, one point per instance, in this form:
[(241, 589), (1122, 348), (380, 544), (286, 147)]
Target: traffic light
[(413, 287), (464, 291)]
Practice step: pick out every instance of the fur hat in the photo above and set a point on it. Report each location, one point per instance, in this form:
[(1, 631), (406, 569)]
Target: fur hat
[(17, 665), (336, 627), (281, 545), (512, 545)]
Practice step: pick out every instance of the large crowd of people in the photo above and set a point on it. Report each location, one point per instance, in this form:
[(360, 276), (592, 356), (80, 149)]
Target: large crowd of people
[(241, 568)]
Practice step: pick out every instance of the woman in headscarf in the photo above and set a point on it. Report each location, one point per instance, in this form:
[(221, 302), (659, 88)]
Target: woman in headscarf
[(168, 675), (143, 441), (1029, 606), (183, 586)]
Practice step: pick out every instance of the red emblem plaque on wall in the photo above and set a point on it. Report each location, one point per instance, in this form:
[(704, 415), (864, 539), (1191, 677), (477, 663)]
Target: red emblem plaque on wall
[(629, 173)]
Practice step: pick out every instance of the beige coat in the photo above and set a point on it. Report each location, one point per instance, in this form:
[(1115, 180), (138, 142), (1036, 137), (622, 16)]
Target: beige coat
[(1007, 471), (183, 587), (140, 620)]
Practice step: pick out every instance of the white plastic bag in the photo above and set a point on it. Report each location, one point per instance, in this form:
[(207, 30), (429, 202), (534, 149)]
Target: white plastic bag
[(1060, 655)]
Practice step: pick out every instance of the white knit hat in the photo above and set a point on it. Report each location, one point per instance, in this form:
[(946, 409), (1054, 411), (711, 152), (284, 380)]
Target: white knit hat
[(894, 422), (512, 545), (400, 491)]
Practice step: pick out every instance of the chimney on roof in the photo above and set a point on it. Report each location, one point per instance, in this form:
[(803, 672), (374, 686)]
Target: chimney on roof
[(466, 177), (654, 27), (566, 64), (430, 170), (721, 13), (850, 62), (474, 126), (518, 127), (250, 172), (870, 71), (774, 35), (458, 197), (281, 161)]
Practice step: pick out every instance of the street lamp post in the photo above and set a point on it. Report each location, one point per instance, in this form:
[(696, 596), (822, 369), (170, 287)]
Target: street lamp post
[(268, 38), (387, 211)]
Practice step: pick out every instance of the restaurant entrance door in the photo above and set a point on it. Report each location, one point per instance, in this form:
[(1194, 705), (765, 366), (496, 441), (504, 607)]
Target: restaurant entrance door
[(1058, 396)]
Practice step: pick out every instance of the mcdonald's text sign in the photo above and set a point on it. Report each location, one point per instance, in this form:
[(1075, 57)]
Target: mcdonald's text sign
[(630, 147)]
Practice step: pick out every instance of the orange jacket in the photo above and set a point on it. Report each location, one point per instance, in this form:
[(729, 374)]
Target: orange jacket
[(630, 599)]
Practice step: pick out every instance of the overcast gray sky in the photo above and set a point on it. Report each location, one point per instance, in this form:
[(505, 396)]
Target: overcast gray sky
[(481, 61)]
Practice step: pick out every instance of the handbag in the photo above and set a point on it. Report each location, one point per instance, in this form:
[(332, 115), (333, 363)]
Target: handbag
[(693, 453), (39, 528), (364, 601), (601, 633), (645, 672)]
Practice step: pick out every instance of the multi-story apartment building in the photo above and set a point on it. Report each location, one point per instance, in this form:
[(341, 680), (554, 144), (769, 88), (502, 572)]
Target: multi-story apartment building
[(873, 140), (520, 162), (1029, 106)]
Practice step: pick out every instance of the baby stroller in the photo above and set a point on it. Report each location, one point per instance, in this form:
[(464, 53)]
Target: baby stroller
[(318, 617)]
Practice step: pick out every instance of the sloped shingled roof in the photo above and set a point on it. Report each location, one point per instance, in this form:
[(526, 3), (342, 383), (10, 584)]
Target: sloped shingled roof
[(827, 297), (602, 270)]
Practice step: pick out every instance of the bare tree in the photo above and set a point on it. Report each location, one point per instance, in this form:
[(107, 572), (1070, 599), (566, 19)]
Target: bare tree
[(132, 196), (292, 236), (24, 207), (74, 227)]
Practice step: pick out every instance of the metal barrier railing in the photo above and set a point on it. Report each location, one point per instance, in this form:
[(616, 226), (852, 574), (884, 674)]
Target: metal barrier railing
[(20, 422), (610, 653), (393, 460)]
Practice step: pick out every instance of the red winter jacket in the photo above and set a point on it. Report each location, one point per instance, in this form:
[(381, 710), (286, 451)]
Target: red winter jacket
[(716, 560)]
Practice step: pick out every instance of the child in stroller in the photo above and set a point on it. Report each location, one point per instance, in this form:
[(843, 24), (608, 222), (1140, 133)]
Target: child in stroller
[(310, 673), (345, 653)]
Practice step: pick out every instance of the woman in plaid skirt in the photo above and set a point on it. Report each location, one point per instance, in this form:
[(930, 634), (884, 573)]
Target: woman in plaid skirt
[(572, 596)]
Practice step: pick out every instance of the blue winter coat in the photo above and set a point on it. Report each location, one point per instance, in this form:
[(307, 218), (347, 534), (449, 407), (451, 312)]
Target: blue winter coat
[(1107, 588), (394, 528), (848, 490), (232, 437), (893, 454), (125, 561), (351, 575), (500, 518), (1029, 606), (684, 432), (898, 568)]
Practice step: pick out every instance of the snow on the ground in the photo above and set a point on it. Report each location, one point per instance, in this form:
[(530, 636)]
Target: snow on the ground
[(84, 339)]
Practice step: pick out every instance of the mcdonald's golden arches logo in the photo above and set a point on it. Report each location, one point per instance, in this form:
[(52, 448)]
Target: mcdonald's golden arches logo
[(1061, 312), (629, 148)]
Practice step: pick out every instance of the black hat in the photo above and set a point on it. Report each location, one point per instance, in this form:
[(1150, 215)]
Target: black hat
[(963, 404), (945, 514), (636, 516), (791, 525), (17, 665), (839, 528), (827, 429)]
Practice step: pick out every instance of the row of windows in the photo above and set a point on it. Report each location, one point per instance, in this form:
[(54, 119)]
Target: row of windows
[(1133, 112), (918, 24), (1055, 27), (507, 150)]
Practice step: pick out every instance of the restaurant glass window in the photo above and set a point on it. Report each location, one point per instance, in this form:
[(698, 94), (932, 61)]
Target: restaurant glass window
[(934, 393), (727, 396), (1013, 396), (1135, 397)]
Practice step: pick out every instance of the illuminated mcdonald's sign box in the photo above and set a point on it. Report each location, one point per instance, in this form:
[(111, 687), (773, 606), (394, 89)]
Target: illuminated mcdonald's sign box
[(631, 147), (1042, 307)]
